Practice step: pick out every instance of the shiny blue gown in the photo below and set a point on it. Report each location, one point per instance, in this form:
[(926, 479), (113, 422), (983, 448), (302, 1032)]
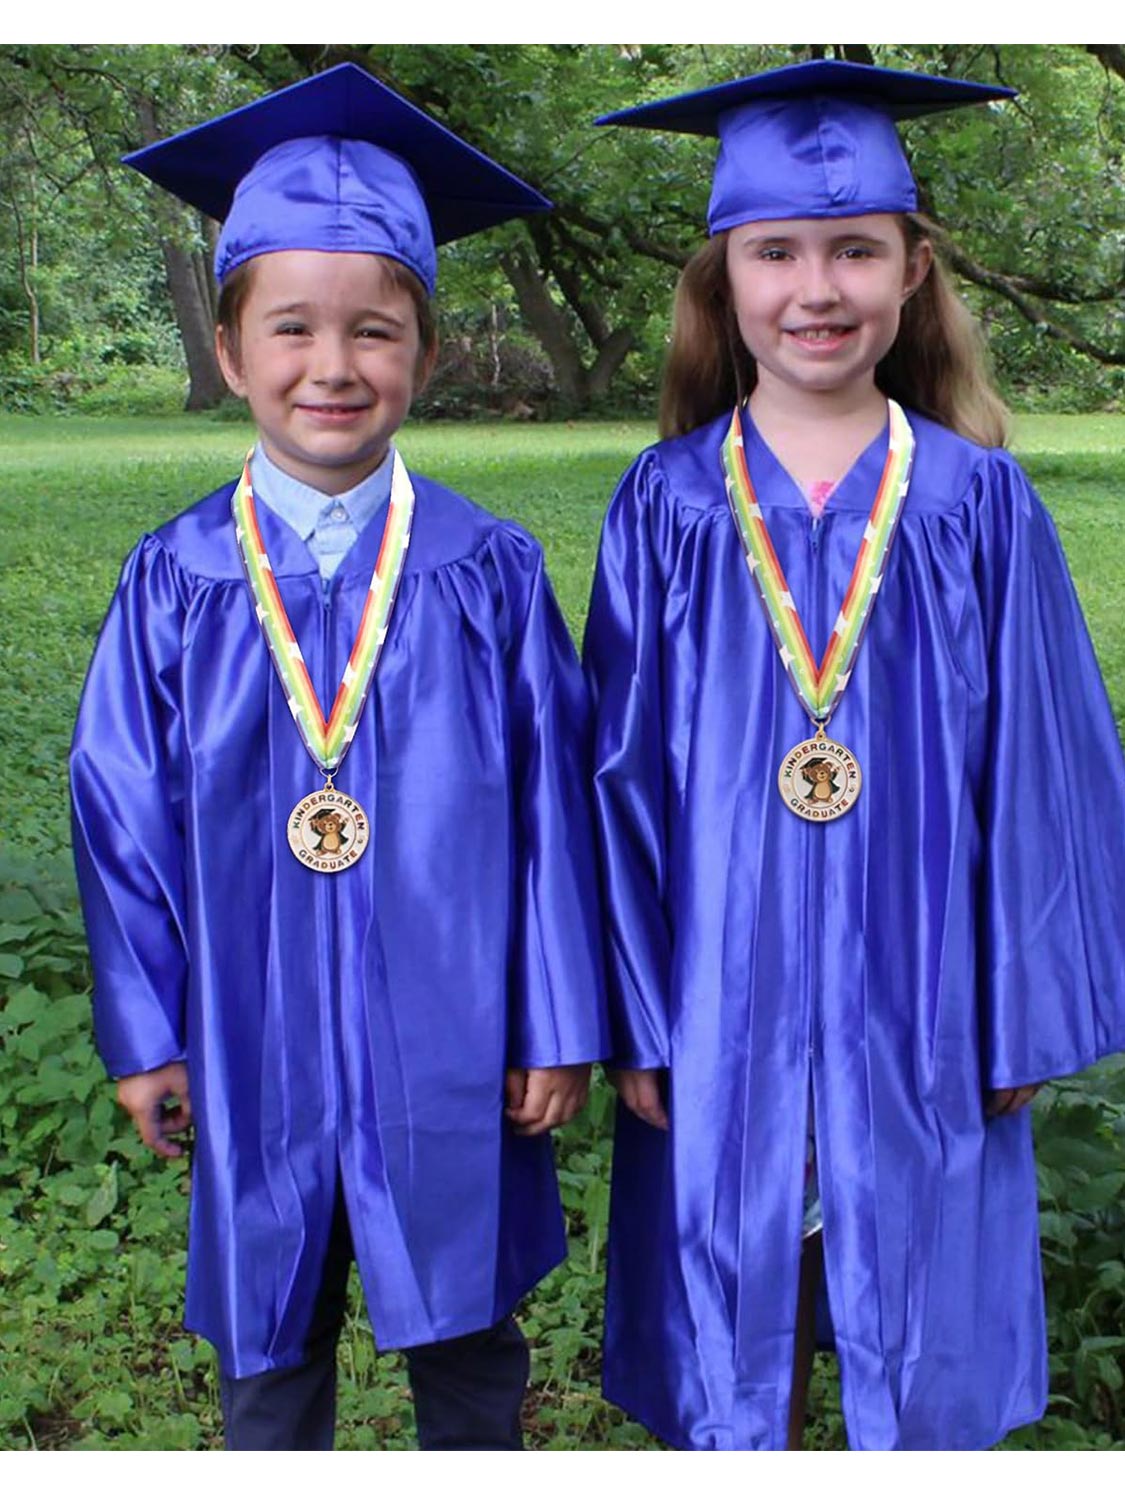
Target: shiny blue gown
[(958, 931), (357, 1026)]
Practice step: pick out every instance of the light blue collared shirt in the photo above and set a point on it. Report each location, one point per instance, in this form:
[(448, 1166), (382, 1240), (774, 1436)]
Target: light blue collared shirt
[(327, 524)]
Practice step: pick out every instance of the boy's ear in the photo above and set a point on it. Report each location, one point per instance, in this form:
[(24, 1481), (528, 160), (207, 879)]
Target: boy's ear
[(425, 368), (229, 362)]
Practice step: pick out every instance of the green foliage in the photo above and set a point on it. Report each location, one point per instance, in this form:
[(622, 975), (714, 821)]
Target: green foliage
[(92, 1229), (1031, 193), (1080, 1147), (91, 1250), (132, 390), (60, 386), (1082, 1180)]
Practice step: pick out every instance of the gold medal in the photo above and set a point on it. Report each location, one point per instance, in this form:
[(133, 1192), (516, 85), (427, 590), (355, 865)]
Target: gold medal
[(819, 779), (328, 830)]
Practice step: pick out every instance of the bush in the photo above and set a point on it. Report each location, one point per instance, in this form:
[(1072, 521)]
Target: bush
[(111, 390), (131, 391)]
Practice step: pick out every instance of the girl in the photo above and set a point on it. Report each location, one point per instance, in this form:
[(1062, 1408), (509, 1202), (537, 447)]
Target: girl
[(852, 935), (343, 986)]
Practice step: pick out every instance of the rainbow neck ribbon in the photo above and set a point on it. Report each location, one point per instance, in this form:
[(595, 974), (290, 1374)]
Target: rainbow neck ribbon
[(326, 740), (820, 689)]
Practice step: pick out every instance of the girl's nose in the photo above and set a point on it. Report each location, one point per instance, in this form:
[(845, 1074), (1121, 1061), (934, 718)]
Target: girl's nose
[(818, 286)]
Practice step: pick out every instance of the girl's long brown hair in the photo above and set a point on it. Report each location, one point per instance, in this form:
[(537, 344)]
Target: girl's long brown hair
[(937, 364)]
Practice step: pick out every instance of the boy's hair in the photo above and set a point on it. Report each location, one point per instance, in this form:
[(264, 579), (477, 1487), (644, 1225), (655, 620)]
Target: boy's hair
[(236, 289), (937, 365)]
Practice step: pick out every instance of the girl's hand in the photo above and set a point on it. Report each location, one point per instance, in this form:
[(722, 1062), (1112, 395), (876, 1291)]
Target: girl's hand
[(1010, 1101), (538, 1099), (643, 1091), (144, 1095)]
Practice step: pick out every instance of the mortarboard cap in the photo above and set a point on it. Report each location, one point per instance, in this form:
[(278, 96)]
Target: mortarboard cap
[(813, 141), (336, 162)]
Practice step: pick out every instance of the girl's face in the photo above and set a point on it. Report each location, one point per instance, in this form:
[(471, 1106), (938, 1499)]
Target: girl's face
[(818, 300)]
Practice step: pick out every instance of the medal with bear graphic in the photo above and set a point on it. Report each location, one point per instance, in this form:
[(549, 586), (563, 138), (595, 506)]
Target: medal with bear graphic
[(820, 779), (327, 830)]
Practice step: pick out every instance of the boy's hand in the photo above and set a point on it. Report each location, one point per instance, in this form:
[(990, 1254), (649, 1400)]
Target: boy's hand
[(144, 1096), (1010, 1101), (538, 1099), (642, 1091)]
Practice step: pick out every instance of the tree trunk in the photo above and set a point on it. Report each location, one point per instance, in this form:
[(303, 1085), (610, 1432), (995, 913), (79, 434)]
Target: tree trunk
[(197, 330), (27, 248), (610, 358), (190, 287), (548, 323), (577, 385), (33, 297)]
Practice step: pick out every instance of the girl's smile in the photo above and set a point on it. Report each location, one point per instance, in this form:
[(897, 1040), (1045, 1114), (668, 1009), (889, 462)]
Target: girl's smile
[(819, 339)]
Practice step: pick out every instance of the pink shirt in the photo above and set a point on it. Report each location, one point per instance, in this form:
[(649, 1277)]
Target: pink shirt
[(819, 495)]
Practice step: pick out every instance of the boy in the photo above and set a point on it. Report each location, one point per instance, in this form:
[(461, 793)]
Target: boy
[(341, 987)]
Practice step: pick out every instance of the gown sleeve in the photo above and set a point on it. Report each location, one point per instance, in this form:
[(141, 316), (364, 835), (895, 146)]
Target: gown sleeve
[(557, 987), (623, 664), (1054, 807), (126, 795)]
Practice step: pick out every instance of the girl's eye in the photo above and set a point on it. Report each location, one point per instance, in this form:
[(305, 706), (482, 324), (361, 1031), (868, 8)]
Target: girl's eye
[(373, 333), (290, 329), (773, 253), (856, 252)]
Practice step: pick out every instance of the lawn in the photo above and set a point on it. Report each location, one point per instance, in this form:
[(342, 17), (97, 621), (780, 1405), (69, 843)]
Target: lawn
[(91, 1232)]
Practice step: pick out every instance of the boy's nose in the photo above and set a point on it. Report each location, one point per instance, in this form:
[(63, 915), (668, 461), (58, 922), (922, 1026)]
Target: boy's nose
[(332, 362)]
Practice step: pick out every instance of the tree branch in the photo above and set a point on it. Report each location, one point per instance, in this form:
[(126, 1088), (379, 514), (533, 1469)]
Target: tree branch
[(1007, 287), (1112, 59)]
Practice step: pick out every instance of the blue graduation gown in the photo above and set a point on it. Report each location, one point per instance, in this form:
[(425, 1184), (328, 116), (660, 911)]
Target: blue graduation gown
[(956, 932), (355, 1025)]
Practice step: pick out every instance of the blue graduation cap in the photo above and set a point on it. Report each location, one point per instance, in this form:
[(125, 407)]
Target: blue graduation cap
[(336, 162), (816, 140)]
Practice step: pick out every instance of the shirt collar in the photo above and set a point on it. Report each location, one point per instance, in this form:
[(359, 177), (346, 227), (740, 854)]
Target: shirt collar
[(301, 506)]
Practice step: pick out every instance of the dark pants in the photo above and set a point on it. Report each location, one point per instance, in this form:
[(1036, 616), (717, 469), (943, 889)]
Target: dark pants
[(467, 1391)]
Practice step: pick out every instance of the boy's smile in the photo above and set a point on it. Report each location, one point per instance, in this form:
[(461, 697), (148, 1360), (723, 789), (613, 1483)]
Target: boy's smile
[(329, 357)]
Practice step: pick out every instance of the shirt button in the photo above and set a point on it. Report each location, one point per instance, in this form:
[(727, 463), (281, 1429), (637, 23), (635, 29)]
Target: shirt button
[(338, 513)]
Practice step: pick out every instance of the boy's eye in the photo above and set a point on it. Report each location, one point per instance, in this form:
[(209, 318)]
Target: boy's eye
[(373, 332), (291, 328)]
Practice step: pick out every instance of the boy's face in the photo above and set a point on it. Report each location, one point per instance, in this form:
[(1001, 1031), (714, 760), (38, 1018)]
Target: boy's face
[(329, 358)]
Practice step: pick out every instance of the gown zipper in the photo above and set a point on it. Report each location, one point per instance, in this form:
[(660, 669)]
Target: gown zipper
[(325, 887)]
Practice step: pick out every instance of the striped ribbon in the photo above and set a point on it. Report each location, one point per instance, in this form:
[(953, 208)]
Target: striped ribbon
[(326, 740), (820, 689)]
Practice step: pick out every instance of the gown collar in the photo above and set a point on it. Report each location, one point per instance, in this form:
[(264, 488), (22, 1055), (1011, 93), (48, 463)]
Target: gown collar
[(289, 553), (775, 486)]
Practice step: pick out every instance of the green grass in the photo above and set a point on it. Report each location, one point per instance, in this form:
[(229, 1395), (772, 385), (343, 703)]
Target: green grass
[(76, 493), (91, 1248)]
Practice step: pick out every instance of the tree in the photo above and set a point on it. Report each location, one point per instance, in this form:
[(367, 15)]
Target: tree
[(105, 100), (1032, 195)]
